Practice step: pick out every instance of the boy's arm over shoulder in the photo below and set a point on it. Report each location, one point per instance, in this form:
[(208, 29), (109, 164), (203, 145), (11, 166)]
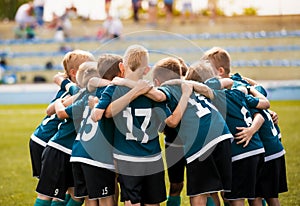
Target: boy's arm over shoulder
[(119, 81), (174, 119), (65, 84), (95, 82), (51, 107), (141, 87), (263, 102), (156, 95), (97, 114), (59, 78), (202, 89), (60, 109)]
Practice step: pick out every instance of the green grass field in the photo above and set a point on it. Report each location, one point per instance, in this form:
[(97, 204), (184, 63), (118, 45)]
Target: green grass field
[(17, 122)]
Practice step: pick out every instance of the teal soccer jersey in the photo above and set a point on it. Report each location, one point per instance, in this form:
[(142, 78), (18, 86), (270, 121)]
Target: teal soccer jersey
[(49, 126), (201, 127), (269, 136), (136, 127), (237, 110), (94, 142), (65, 136)]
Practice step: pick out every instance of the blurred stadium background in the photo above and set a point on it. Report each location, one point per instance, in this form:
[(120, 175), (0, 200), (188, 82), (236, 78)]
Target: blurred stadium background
[(261, 36)]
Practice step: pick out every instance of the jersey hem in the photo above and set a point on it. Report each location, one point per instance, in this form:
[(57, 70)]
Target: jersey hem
[(92, 162), (38, 140), (137, 159), (60, 147), (248, 154), (274, 156), (208, 146)]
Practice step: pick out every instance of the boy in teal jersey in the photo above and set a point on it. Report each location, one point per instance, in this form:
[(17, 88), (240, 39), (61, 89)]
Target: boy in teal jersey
[(198, 139), (201, 142), (91, 158), (221, 63), (247, 149), (71, 63), (272, 178), (137, 150), (49, 125), (220, 59)]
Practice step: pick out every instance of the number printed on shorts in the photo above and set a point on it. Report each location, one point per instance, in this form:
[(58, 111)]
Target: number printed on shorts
[(105, 191), (146, 113)]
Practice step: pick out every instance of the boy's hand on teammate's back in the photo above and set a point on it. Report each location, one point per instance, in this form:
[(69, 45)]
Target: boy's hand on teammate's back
[(244, 136), (274, 116)]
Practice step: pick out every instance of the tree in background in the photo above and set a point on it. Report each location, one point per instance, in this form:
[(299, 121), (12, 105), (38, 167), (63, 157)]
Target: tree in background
[(8, 8)]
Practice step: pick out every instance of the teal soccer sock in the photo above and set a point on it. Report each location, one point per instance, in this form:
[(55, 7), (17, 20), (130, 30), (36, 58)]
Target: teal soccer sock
[(226, 204), (210, 201), (264, 203), (39, 202), (67, 198), (72, 202), (173, 201), (58, 203)]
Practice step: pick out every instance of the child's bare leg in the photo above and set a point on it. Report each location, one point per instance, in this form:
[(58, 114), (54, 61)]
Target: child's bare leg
[(199, 200), (273, 201), (256, 202), (107, 201), (237, 202), (216, 198)]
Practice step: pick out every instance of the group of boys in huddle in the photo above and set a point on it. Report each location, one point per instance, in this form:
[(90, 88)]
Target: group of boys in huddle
[(102, 133)]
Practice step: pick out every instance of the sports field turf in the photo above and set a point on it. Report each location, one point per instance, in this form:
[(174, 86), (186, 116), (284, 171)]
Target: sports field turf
[(17, 186)]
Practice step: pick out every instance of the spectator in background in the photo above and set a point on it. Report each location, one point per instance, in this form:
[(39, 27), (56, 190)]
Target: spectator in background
[(136, 4), (39, 11), (107, 7), (62, 24), (112, 28), (25, 21), (152, 11), (169, 10), (2, 68), (187, 11), (212, 7)]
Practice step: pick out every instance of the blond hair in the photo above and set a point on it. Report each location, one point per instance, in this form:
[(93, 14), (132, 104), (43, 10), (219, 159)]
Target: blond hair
[(134, 56), (85, 72), (108, 66), (73, 59), (166, 69), (201, 71), (218, 57)]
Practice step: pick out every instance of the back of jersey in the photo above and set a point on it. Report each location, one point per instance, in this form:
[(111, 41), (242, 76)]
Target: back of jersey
[(136, 133)]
